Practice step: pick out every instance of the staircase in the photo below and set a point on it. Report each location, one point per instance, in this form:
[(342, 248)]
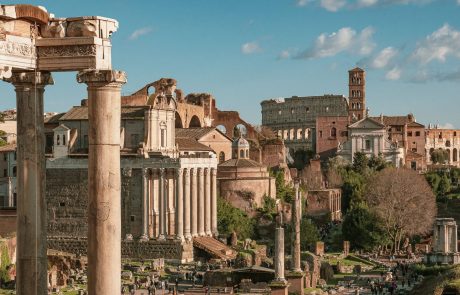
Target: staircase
[(214, 248)]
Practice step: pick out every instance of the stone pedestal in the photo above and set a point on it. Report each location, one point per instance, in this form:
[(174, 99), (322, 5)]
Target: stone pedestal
[(296, 281), (104, 204), (279, 288), (31, 265)]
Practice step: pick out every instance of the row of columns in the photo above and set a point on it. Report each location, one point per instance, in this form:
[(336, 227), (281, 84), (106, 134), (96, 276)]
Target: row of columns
[(334, 203), (294, 134), (104, 214), (179, 203)]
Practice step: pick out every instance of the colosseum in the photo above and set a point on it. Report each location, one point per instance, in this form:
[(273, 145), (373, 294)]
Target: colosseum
[(316, 123)]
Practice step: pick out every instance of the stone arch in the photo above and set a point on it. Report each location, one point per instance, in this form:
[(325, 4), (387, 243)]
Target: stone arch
[(222, 129), (291, 133), (194, 122), (299, 134), (454, 155), (178, 123), (285, 134)]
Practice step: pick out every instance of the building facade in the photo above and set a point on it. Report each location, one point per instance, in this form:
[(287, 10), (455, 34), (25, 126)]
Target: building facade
[(447, 140), (317, 123), (8, 176), (370, 137), (168, 183)]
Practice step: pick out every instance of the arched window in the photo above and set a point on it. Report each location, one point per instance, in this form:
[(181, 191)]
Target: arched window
[(448, 143), (241, 153), (58, 140), (247, 153), (221, 157), (333, 132), (454, 155)]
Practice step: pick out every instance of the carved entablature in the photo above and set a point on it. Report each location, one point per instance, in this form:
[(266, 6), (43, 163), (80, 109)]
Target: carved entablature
[(30, 39)]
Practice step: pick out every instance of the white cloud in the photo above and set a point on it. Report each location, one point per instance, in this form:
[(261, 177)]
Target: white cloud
[(304, 2), (366, 3), (441, 44), (344, 40), (140, 32), (458, 2), (446, 126), (393, 74), (383, 58), (333, 5), (250, 47), (284, 54)]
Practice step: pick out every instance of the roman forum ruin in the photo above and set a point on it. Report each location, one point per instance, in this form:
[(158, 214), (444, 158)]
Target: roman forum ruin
[(33, 44)]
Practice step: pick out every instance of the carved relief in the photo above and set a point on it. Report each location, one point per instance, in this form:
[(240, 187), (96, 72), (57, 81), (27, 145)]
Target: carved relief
[(68, 50), (18, 49)]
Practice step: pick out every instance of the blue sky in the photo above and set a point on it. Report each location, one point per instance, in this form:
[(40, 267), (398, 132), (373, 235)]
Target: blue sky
[(246, 51)]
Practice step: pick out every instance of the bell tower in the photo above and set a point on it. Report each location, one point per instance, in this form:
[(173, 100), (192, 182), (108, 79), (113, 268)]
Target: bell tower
[(357, 94)]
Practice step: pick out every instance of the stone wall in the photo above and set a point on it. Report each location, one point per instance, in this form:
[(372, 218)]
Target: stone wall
[(152, 249), (7, 222), (330, 131)]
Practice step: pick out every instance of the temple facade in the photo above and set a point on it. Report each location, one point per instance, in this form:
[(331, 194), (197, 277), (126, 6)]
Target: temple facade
[(168, 183)]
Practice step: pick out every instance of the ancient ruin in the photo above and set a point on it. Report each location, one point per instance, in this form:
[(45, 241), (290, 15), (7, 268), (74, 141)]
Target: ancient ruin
[(445, 245), (34, 43)]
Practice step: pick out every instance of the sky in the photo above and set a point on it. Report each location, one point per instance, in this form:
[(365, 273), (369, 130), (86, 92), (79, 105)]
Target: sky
[(246, 51)]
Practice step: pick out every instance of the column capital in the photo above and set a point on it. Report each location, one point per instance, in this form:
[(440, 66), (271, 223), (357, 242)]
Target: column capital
[(161, 172), (146, 172), (213, 172), (206, 171), (187, 172), (101, 77), (179, 172), (40, 79), (126, 172), (201, 171)]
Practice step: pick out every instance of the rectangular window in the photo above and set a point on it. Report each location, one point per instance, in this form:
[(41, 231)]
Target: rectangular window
[(414, 149), (132, 218), (409, 133), (398, 128), (163, 139), (368, 144), (320, 134), (5, 173), (417, 133)]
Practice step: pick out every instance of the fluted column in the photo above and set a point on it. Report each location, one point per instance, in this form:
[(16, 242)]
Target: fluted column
[(155, 191), (171, 209), (145, 203), (161, 197), (194, 202), (186, 216), (104, 203), (214, 202), (201, 213), (31, 265), (207, 203), (179, 204)]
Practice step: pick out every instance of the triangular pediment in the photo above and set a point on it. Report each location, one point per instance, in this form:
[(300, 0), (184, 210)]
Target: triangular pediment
[(367, 123), (61, 127)]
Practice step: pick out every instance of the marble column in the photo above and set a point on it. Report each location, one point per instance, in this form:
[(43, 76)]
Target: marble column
[(201, 205), (32, 264), (186, 216), (279, 254), (207, 197), (194, 203), (145, 203), (296, 228), (104, 204), (179, 204), (155, 203), (162, 199), (214, 202)]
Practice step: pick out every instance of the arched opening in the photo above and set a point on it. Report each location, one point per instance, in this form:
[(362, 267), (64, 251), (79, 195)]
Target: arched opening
[(178, 123), (222, 129), (63, 140), (455, 155), (247, 154), (58, 140), (241, 153), (239, 130), (194, 122), (221, 157), (333, 132), (150, 90)]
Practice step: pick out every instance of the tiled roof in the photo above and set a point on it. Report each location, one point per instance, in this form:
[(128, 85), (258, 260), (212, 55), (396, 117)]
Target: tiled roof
[(54, 119), (415, 124), (392, 120), (8, 148), (127, 112), (242, 163), (195, 133), (190, 144)]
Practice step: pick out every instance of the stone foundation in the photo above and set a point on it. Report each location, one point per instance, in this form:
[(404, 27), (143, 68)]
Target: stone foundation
[(169, 249), (442, 258)]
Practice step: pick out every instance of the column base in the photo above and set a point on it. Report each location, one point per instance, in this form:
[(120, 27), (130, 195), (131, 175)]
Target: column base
[(161, 237), (143, 238), (202, 234), (209, 233), (188, 237)]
